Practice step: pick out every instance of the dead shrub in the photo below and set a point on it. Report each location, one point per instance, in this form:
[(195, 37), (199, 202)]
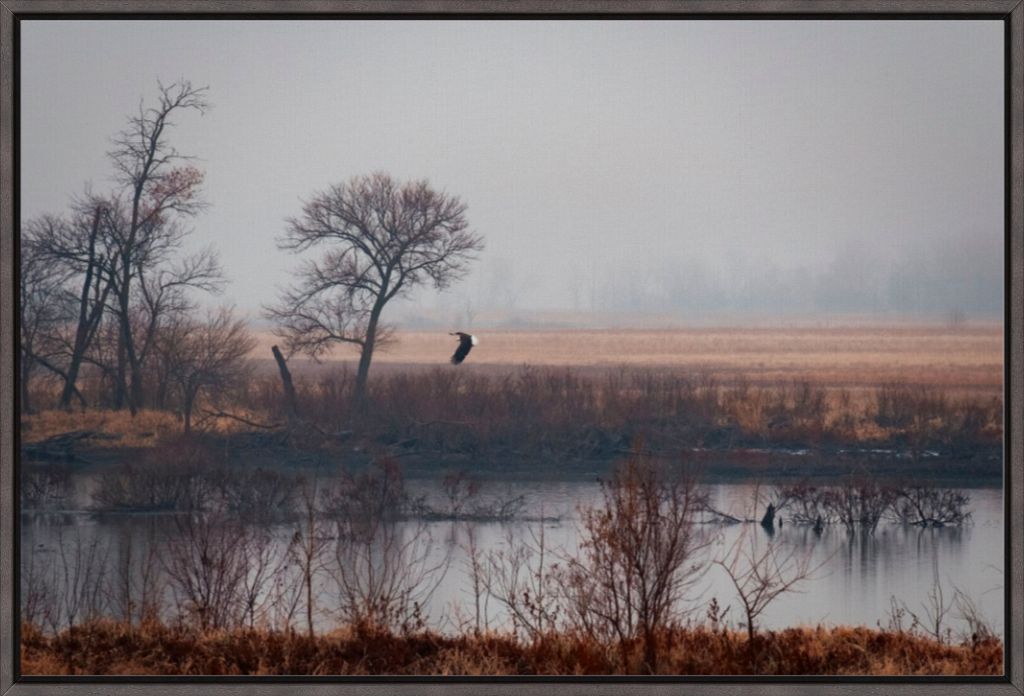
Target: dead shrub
[(383, 568), (641, 553), (175, 476), (926, 505)]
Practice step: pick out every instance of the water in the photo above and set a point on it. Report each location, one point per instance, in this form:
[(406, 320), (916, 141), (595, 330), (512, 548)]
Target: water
[(858, 574)]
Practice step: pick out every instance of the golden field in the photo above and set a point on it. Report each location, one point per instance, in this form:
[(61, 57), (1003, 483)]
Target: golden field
[(962, 358)]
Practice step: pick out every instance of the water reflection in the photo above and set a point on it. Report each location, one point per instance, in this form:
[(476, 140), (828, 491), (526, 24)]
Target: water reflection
[(860, 571)]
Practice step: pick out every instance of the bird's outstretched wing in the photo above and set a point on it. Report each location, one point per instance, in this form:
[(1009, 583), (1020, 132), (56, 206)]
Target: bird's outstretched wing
[(465, 345)]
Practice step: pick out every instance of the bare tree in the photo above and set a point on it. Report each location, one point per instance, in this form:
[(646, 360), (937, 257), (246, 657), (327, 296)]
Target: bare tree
[(383, 569), (806, 503), (207, 566), (160, 189), (308, 547), (78, 247), (859, 502), (81, 576), (641, 554), (38, 589), (42, 311), (210, 355), (479, 576), (262, 565), (762, 575), (934, 612), (927, 505), (382, 239), (136, 589), (523, 577)]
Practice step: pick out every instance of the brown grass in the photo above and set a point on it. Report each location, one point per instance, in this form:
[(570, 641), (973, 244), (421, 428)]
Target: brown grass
[(563, 413), (105, 647), (144, 430), (148, 428)]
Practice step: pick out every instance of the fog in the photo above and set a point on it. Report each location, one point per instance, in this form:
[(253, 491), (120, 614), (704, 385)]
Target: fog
[(692, 169)]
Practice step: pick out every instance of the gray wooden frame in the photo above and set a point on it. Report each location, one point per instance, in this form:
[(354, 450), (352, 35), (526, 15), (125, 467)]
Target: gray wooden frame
[(1010, 11)]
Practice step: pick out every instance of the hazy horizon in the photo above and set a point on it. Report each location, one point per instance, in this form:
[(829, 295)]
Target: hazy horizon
[(697, 171)]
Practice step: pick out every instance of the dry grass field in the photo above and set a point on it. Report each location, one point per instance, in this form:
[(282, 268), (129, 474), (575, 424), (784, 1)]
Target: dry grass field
[(580, 395), (963, 358), (110, 648)]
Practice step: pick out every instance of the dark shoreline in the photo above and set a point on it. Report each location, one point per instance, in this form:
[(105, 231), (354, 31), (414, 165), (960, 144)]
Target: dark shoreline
[(982, 468)]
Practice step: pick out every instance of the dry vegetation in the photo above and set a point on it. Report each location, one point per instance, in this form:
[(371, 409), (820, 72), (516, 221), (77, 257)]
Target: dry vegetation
[(967, 358), (589, 394), (218, 598), (105, 647), (561, 414), (144, 430)]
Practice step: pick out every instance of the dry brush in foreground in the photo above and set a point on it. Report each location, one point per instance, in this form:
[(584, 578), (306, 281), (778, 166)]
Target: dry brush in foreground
[(105, 647)]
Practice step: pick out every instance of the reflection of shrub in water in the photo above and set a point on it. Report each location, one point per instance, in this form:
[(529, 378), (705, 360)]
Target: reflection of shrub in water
[(463, 502), (382, 570), (258, 493), (44, 486), (207, 563), (375, 494), (171, 477)]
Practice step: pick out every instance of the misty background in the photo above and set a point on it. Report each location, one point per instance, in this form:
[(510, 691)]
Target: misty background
[(619, 171)]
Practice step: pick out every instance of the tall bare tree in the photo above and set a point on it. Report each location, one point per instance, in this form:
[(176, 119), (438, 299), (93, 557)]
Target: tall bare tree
[(381, 238), (160, 188), (78, 246)]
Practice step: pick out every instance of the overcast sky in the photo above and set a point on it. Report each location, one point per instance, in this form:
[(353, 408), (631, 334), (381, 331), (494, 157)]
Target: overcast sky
[(694, 168)]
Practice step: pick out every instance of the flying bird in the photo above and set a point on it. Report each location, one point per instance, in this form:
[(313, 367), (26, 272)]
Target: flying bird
[(466, 343)]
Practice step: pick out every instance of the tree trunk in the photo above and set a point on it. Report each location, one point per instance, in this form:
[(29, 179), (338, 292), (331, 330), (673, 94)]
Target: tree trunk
[(135, 402), (87, 320), (187, 408), (160, 397), (121, 375), (650, 651), (286, 383), (69, 384), (363, 374)]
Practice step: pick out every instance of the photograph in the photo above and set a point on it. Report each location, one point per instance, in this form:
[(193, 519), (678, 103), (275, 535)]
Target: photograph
[(468, 346)]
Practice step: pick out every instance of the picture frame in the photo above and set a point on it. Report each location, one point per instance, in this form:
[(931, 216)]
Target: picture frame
[(1010, 12)]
